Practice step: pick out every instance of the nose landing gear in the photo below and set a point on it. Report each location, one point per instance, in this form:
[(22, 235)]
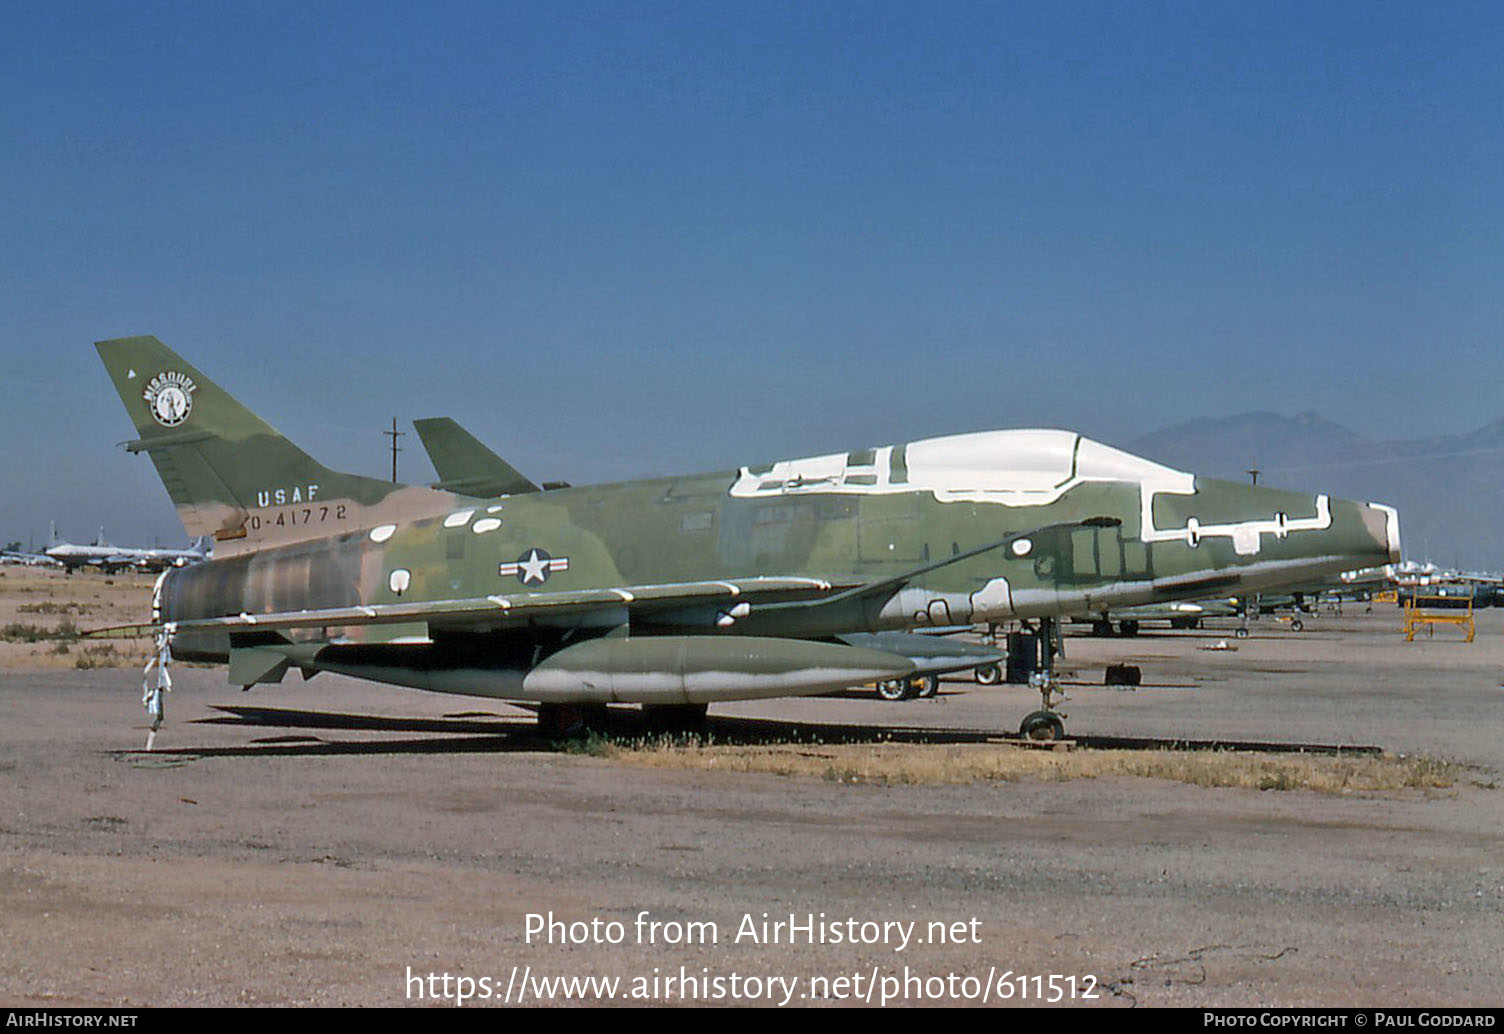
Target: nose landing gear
[(1046, 724)]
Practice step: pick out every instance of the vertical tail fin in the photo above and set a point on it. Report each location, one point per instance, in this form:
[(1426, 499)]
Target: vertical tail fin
[(230, 474)]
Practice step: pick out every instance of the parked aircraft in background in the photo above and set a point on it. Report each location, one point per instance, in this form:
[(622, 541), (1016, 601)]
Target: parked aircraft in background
[(108, 558), (1453, 589), (1181, 614), (1414, 572), (12, 556), (677, 592)]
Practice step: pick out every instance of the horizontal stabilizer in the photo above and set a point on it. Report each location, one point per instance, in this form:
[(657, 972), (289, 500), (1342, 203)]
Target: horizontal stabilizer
[(254, 664)]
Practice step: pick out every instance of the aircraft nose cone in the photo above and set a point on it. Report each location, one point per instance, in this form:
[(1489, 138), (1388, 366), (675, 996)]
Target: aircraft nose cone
[(1384, 523)]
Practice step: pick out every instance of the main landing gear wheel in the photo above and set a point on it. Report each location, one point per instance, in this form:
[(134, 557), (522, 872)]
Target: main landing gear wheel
[(926, 686), (1241, 633), (1042, 727), (988, 675), (1297, 625), (895, 689)]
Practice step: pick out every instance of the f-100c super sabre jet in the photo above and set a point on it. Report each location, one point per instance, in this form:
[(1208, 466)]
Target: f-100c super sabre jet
[(679, 592)]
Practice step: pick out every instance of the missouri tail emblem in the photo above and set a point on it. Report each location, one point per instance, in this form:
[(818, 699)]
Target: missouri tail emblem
[(170, 396)]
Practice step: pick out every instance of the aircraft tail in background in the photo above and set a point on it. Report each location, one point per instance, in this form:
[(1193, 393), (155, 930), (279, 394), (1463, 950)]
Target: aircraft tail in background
[(465, 464)]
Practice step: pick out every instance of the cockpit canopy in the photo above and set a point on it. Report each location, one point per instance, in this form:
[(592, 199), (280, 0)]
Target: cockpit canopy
[(1012, 468)]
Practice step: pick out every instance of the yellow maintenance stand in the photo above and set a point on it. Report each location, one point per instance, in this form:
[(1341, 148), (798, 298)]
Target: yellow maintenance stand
[(1417, 615)]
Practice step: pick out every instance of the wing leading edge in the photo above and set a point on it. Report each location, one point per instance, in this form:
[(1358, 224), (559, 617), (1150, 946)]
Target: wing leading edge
[(481, 611)]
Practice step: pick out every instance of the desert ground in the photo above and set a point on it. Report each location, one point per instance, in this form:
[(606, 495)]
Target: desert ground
[(336, 842)]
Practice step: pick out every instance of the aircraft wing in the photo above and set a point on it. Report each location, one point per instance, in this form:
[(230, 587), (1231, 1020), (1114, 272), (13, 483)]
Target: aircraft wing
[(476, 613)]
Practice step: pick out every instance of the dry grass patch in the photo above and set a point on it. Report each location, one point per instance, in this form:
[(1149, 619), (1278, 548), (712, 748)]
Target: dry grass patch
[(919, 764), (53, 607), (42, 611)]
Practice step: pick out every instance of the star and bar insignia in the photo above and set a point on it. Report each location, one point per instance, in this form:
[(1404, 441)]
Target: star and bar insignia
[(534, 567)]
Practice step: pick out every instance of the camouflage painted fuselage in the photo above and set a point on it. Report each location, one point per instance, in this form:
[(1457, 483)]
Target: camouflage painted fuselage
[(844, 520)]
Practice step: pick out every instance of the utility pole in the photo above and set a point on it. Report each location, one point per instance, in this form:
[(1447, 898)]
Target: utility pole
[(1252, 472), (394, 434)]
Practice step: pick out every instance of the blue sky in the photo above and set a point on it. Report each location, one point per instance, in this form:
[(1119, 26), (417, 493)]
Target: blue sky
[(637, 238)]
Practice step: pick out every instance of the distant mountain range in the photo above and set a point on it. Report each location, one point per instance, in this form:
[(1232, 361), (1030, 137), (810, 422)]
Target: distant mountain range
[(1449, 490)]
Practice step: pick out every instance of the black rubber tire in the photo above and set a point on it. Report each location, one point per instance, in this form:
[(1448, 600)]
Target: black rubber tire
[(1042, 727), (988, 675), (926, 686), (894, 690)]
